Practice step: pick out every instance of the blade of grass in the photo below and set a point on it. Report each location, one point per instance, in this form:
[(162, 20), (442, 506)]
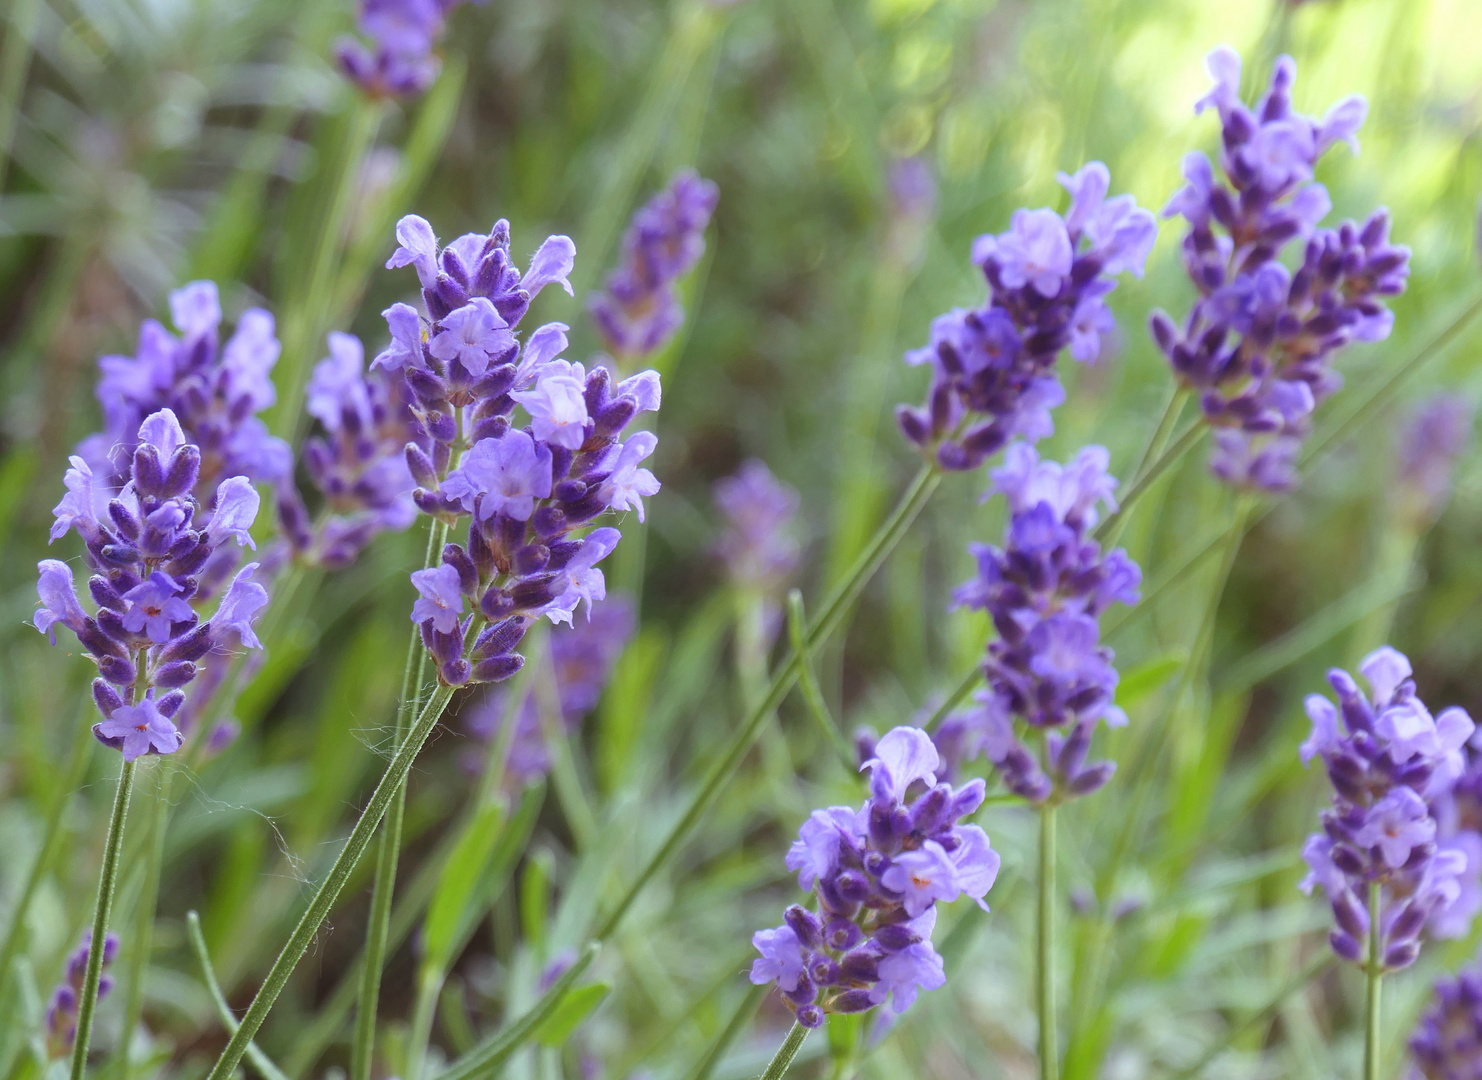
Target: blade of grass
[(260, 1061)]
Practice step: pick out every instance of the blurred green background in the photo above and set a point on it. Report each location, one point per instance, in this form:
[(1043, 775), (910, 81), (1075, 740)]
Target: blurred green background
[(152, 141)]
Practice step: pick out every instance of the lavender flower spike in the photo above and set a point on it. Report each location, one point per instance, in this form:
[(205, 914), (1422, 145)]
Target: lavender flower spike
[(400, 60), (1435, 434), (1447, 1043), (1388, 764), (153, 551), (993, 367), (1259, 343), (879, 873), (1045, 590), (526, 488), (60, 1025), (639, 309)]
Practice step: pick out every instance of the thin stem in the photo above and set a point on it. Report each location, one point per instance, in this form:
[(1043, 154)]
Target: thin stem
[(260, 1061), (725, 767), (958, 695), (785, 1053), (102, 909), (1182, 445), (1375, 971), (388, 849), (1305, 976), (1153, 451), (329, 890), (745, 1010), (797, 628), (141, 934), (1049, 1050), (488, 1057)]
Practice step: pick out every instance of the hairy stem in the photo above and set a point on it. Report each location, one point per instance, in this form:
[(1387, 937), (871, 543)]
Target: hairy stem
[(388, 849), (785, 1053), (1049, 1052), (1375, 972), (260, 1061), (724, 768), (329, 889), (102, 908)]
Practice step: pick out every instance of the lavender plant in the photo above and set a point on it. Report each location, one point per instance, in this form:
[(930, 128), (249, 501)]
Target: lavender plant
[(993, 376), (1376, 857), (62, 1009), (401, 58), (878, 873), (1447, 1043), (1259, 343)]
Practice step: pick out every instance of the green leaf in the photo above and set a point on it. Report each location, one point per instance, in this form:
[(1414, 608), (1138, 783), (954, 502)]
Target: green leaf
[(1147, 678), (535, 896), (455, 887), (557, 1027)]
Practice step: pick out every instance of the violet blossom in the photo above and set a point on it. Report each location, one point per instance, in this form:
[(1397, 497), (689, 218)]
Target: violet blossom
[(1259, 343), (400, 59), (60, 1024), (523, 491), (1388, 763), (993, 367), (639, 310), (1045, 590), (1432, 440), (151, 545), (879, 873), (1447, 1043)]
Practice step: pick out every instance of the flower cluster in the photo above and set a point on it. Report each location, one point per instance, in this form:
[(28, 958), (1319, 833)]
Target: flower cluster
[(403, 34), (525, 490), (1435, 434), (359, 462), (1045, 590), (61, 1011), (993, 367), (758, 546), (878, 873), (1387, 764), (1447, 1043), (639, 310), (1259, 343), (214, 390), (158, 554), (1458, 813), (582, 657)]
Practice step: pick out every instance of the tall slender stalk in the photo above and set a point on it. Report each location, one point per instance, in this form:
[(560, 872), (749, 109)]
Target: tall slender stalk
[(1049, 1048), (329, 889), (785, 1053), (260, 1061), (102, 909), (1375, 971), (388, 849), (141, 934)]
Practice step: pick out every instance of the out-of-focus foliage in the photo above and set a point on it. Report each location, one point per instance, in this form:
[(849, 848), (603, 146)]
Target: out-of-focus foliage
[(159, 139)]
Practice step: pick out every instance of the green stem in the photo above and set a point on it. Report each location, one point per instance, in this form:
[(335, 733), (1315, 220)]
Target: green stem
[(1153, 451), (487, 1058), (785, 1053), (141, 934), (388, 849), (15, 61), (1049, 1051), (958, 695), (102, 908), (1182, 445), (329, 890), (260, 1061), (797, 626), (1375, 972), (725, 767), (745, 1010)]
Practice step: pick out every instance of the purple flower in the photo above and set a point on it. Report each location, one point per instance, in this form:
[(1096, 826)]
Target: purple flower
[(1393, 771), (239, 607), (58, 595), (471, 335), (639, 310), (1434, 436), (558, 407), (139, 729), (551, 265), (337, 387), (629, 482), (154, 606), (1259, 343), (1045, 590), (1447, 1043), (85, 501), (406, 338), (60, 1024), (993, 367), (580, 581), (758, 546), (879, 873), (441, 601), (417, 247), (236, 509), (502, 476)]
